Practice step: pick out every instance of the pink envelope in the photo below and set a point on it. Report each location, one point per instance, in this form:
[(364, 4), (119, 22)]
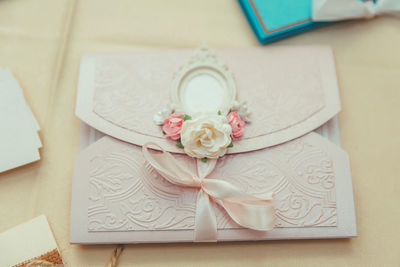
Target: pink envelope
[(119, 198)]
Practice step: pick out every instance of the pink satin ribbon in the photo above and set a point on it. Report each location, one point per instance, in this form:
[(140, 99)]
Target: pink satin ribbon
[(246, 210)]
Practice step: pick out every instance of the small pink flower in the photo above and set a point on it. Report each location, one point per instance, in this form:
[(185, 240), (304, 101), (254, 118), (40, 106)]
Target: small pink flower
[(236, 123), (172, 126)]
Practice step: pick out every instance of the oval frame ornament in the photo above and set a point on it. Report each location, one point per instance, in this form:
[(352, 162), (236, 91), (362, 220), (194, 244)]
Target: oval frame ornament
[(204, 68)]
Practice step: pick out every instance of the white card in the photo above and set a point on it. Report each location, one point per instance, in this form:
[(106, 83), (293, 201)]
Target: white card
[(29, 241), (19, 140)]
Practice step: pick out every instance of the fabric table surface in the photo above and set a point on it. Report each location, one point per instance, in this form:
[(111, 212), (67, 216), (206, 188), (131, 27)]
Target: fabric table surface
[(42, 42)]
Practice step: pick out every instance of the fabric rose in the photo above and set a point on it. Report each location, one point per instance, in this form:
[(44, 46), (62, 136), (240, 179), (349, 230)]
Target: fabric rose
[(161, 115), (243, 110), (206, 136), (172, 126), (236, 123)]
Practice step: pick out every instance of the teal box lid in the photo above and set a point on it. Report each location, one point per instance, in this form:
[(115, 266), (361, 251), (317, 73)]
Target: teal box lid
[(275, 19)]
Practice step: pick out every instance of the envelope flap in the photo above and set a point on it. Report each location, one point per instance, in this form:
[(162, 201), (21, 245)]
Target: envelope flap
[(291, 90)]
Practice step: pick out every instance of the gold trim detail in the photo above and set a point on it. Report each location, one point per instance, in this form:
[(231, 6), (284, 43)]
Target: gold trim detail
[(52, 257)]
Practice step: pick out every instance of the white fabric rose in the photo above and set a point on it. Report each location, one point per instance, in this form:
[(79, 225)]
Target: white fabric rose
[(161, 115), (206, 136), (245, 112), (242, 110), (235, 105)]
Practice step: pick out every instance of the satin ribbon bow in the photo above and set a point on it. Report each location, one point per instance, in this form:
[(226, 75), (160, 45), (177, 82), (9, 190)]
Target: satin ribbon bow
[(334, 10), (246, 210)]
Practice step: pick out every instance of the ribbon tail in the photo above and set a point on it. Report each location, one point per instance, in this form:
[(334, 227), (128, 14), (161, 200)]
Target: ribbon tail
[(257, 216), (205, 221), (256, 213)]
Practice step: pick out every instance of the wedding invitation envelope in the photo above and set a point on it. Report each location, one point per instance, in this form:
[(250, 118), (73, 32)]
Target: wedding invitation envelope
[(291, 147), (276, 19), (29, 243)]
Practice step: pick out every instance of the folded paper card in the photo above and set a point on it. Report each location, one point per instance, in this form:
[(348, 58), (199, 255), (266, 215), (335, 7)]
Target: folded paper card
[(29, 244), (19, 139), (250, 175), (272, 20)]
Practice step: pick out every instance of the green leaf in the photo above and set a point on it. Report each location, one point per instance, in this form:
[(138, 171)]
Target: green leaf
[(179, 143), (186, 117), (204, 160), (219, 112), (230, 145)]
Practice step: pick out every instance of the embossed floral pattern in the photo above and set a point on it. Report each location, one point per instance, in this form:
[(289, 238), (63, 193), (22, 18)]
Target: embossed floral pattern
[(127, 194), (120, 99)]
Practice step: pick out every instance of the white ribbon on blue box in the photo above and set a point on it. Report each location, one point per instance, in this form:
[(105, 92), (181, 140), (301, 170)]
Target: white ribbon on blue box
[(335, 10)]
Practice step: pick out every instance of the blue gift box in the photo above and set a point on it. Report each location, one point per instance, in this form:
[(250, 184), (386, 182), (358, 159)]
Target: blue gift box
[(275, 19)]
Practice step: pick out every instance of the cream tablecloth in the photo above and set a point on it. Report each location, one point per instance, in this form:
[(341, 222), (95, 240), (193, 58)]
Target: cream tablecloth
[(42, 42)]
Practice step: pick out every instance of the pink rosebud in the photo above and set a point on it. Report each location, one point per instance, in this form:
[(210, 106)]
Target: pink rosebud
[(172, 126), (236, 123)]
